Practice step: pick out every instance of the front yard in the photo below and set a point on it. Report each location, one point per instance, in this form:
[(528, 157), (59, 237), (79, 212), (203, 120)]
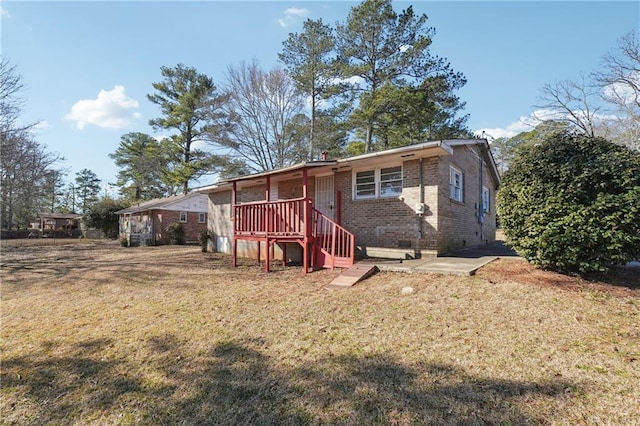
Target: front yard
[(99, 334)]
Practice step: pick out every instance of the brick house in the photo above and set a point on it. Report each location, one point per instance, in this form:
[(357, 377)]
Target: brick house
[(146, 223), (415, 201)]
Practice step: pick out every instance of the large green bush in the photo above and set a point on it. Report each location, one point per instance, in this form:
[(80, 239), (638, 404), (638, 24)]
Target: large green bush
[(176, 233), (102, 215), (572, 203)]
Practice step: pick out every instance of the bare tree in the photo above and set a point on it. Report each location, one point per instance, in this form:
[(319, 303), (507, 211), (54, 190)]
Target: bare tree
[(619, 82), (605, 103), (24, 169), (572, 102), (10, 88), (263, 107), (25, 165)]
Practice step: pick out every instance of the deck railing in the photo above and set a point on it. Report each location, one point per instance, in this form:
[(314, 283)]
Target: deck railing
[(284, 218)]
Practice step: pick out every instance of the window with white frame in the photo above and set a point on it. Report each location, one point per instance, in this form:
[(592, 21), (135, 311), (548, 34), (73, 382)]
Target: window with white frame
[(485, 199), (365, 186), (378, 183), (202, 218), (183, 217), (456, 184), (391, 181)]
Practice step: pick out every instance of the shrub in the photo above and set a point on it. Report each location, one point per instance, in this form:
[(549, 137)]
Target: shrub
[(176, 233), (204, 240), (101, 215), (572, 203)]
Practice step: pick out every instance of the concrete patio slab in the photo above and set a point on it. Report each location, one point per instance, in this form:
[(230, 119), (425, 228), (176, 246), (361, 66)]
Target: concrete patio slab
[(460, 262)]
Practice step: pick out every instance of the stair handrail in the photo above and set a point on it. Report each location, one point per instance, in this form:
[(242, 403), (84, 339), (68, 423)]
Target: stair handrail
[(334, 229)]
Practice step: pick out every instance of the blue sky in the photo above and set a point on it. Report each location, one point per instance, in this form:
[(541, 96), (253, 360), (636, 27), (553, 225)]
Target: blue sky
[(88, 66)]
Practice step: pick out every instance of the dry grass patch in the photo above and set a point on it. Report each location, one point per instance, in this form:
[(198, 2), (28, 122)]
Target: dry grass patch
[(99, 334)]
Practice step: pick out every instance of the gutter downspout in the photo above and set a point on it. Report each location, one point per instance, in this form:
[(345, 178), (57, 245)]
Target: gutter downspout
[(418, 253), (481, 202)]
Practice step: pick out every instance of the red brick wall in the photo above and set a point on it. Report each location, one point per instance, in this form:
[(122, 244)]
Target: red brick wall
[(393, 222), (458, 222), (163, 218), (251, 194)]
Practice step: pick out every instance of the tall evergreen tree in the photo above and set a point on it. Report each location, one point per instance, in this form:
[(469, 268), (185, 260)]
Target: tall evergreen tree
[(191, 106), (379, 48), (144, 164), (53, 190), (309, 57), (87, 188)]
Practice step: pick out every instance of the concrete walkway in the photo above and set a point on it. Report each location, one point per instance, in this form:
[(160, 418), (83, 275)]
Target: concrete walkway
[(460, 262)]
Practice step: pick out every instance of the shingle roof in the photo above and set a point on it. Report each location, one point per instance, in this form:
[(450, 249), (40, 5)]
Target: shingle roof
[(155, 204), (59, 215)]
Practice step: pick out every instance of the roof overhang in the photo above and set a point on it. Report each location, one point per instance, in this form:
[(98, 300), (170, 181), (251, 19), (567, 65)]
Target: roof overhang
[(487, 156), (73, 216), (373, 159), (405, 153)]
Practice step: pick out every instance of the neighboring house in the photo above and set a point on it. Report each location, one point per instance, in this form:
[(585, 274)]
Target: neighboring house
[(146, 223), (410, 202), (58, 224)]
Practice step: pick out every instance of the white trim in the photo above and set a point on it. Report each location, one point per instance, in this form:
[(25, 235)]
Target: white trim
[(486, 203), (377, 193), (453, 189), (186, 216)]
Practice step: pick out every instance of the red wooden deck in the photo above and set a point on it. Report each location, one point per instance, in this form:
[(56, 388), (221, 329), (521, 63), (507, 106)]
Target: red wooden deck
[(324, 242)]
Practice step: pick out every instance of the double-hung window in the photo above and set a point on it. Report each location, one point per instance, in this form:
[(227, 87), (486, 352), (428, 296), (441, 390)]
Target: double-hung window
[(456, 184), (365, 184), (391, 181), (485, 199), (183, 217), (202, 218), (383, 182)]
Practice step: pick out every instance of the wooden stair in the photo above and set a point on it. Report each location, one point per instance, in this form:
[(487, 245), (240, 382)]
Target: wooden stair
[(333, 245)]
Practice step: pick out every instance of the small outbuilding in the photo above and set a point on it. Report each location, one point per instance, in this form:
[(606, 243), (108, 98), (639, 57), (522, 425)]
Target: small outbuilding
[(59, 225)]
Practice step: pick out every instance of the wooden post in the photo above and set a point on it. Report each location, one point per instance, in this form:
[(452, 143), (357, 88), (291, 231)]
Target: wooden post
[(267, 223), (333, 246), (258, 250), (284, 254), (267, 258), (234, 248), (339, 207), (307, 225)]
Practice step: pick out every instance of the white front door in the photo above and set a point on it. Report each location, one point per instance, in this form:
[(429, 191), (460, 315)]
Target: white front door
[(325, 196)]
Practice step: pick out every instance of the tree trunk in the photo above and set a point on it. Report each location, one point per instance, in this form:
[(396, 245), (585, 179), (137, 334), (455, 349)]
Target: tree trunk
[(313, 125), (369, 136)]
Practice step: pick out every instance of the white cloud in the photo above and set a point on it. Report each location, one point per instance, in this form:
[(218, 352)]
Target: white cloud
[(5, 13), (292, 15), (354, 80), (112, 109), (527, 123), (623, 93), (522, 124)]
